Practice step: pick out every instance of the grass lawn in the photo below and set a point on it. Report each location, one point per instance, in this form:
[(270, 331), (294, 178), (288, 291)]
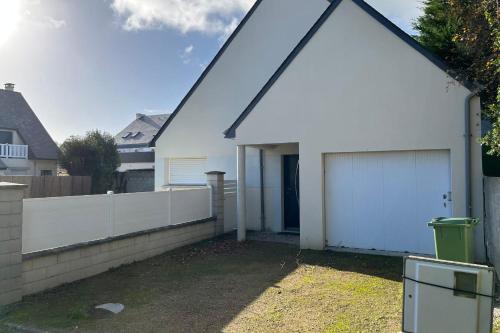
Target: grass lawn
[(226, 286)]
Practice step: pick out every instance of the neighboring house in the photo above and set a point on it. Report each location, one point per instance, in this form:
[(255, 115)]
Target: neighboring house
[(386, 138), (134, 142), (26, 149), (136, 155)]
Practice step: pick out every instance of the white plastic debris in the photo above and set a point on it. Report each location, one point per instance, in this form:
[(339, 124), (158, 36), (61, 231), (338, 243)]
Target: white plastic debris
[(111, 307)]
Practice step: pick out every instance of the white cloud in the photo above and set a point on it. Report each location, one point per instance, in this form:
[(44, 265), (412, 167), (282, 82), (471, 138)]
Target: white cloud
[(207, 16), (189, 49), (57, 24), (228, 30), (186, 54)]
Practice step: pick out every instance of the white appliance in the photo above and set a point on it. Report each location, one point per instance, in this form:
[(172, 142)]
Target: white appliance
[(447, 297)]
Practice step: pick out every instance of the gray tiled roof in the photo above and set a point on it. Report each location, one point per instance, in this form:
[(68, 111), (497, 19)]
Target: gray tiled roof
[(137, 157), (15, 113), (147, 126)]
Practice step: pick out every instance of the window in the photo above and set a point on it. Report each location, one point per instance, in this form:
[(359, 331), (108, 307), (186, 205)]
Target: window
[(5, 137), (187, 171), (45, 172), (126, 135)]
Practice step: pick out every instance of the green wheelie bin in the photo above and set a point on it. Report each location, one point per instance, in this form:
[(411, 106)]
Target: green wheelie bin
[(454, 238)]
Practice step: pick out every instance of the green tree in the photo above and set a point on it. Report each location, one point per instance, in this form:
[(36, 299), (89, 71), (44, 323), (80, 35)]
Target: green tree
[(466, 34), (94, 155)]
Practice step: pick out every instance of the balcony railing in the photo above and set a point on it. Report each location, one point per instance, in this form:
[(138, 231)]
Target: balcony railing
[(13, 151)]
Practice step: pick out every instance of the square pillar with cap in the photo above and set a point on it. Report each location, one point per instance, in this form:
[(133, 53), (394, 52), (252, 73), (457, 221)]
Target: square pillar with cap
[(11, 220), (241, 209), (215, 180)]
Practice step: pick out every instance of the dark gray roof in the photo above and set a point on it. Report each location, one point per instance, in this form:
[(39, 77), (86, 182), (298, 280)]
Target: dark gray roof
[(141, 131), (16, 114), (137, 157)]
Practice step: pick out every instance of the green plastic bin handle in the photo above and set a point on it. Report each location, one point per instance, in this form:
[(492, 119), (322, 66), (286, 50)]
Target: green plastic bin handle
[(436, 222)]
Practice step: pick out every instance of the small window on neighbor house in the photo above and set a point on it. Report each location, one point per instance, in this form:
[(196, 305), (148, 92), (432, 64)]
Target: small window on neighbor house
[(126, 135), (45, 172), (6, 137), (136, 134)]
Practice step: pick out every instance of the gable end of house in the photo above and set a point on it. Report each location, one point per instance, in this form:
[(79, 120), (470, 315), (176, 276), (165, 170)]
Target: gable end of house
[(231, 131)]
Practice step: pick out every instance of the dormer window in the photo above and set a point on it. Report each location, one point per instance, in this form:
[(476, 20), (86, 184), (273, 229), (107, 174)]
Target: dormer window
[(136, 134), (126, 135), (6, 137)]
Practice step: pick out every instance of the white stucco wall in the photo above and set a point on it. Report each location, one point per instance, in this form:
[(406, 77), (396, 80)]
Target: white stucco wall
[(358, 87)]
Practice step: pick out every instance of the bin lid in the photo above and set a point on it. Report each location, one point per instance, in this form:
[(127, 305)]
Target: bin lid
[(454, 222)]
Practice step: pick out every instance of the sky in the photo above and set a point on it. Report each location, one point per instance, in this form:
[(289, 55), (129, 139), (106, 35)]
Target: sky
[(94, 64)]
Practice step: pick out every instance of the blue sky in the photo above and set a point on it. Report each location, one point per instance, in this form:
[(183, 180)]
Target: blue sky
[(93, 64)]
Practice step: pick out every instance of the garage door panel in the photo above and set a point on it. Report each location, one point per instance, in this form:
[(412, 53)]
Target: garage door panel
[(399, 197), (342, 194), (384, 200), (433, 180), (367, 192)]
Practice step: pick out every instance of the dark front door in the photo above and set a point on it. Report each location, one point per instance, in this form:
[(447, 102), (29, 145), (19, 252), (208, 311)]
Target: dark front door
[(291, 192)]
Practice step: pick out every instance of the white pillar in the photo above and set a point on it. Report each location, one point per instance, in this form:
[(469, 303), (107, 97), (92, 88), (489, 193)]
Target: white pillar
[(241, 208)]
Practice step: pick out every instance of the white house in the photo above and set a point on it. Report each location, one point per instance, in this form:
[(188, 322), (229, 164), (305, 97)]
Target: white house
[(386, 137), (26, 148)]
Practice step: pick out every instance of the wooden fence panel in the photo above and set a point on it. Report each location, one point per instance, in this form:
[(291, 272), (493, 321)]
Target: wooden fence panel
[(51, 186)]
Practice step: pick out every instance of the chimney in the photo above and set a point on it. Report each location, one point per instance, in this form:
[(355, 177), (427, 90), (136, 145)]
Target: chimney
[(139, 115), (9, 86)]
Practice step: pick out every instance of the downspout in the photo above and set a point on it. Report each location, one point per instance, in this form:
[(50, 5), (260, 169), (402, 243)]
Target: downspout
[(468, 134), (262, 207)]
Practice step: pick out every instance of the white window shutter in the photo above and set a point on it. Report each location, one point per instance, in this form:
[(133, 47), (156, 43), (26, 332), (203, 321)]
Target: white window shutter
[(187, 171)]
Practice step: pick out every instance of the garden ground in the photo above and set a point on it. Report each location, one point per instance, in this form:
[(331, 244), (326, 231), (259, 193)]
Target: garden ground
[(222, 285)]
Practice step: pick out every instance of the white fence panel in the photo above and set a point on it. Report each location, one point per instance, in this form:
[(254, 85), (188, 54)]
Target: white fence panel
[(140, 211), (61, 221), (190, 205)]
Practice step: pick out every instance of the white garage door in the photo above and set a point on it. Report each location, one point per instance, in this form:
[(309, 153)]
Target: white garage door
[(384, 200)]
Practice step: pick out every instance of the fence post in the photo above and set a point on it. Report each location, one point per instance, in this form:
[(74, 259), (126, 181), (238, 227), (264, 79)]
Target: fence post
[(215, 180), (11, 210)]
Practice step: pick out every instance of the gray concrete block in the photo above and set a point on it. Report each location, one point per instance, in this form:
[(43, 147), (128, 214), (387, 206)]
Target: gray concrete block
[(34, 275), (59, 269), (11, 195), (11, 297), (68, 256), (10, 272), (10, 246), (90, 251), (49, 260), (10, 220)]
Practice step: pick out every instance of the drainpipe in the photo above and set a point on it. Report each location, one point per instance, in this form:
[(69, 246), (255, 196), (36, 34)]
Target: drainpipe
[(262, 207), (468, 135)]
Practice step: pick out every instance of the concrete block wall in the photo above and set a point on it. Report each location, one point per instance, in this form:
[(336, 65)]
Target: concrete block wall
[(48, 269), (11, 208), (492, 220)]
